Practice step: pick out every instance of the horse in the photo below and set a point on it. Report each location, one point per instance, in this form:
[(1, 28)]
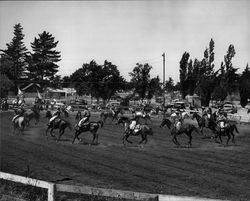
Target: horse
[(60, 124), (202, 122), (185, 129), (167, 122), (125, 121), (31, 114), (19, 111), (142, 115), (144, 131), (92, 127), (227, 131), (109, 114), (19, 123)]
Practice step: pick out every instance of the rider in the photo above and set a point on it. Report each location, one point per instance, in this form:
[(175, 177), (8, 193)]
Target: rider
[(18, 113), (85, 117), (55, 115), (134, 126), (112, 110), (177, 121), (209, 115), (222, 120)]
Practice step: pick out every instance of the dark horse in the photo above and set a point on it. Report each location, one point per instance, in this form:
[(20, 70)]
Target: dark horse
[(227, 131), (109, 114), (144, 131), (212, 125), (202, 122), (125, 121), (60, 124), (92, 127), (32, 114), (185, 129)]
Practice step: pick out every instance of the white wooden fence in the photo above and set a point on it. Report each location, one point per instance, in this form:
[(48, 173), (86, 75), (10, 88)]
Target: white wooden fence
[(52, 188)]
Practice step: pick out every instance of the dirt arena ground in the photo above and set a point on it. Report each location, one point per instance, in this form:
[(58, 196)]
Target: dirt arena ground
[(207, 170)]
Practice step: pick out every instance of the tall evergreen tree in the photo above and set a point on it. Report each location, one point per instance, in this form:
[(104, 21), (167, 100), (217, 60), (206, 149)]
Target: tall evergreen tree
[(183, 74), (43, 61), (206, 83), (16, 53), (244, 86), (227, 80)]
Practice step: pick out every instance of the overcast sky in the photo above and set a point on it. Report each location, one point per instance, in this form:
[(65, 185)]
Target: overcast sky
[(127, 32)]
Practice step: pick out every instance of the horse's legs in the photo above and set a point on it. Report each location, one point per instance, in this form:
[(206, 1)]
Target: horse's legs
[(142, 138), (220, 138), (233, 137), (190, 139), (94, 137), (175, 140), (61, 132), (51, 130), (75, 136), (125, 137)]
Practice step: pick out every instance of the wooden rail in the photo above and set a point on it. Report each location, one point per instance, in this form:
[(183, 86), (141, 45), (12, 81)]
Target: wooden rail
[(52, 188), (106, 192), (33, 182)]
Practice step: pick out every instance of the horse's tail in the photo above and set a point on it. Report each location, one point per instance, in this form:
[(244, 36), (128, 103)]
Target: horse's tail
[(101, 123), (23, 123)]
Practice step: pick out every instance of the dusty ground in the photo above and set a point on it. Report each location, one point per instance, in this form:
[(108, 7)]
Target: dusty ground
[(206, 170)]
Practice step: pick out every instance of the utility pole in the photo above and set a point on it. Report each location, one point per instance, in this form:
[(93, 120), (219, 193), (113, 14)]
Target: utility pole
[(163, 55)]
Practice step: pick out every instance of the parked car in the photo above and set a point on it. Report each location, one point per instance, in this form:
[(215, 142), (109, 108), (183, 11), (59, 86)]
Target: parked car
[(247, 106), (179, 105), (77, 104), (59, 104), (230, 108)]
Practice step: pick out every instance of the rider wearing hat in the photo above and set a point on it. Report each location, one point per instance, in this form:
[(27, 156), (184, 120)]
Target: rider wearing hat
[(85, 117), (178, 121), (134, 126), (18, 113), (222, 120), (55, 115)]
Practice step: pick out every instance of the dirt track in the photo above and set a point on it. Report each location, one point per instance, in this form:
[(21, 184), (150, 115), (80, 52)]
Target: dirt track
[(206, 170)]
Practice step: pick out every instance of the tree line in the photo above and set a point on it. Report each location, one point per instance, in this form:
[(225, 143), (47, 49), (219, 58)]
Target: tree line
[(18, 66), (200, 77)]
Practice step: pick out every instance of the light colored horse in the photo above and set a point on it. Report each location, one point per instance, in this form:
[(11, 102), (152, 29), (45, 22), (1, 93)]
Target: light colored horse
[(19, 123)]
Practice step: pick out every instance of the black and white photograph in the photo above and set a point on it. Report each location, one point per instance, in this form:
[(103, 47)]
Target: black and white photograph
[(125, 100)]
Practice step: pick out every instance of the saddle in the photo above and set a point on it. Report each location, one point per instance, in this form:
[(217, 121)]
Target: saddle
[(222, 125), (136, 129), (85, 125)]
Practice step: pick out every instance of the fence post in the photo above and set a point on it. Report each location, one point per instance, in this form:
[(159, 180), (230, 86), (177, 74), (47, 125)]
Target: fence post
[(51, 192)]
